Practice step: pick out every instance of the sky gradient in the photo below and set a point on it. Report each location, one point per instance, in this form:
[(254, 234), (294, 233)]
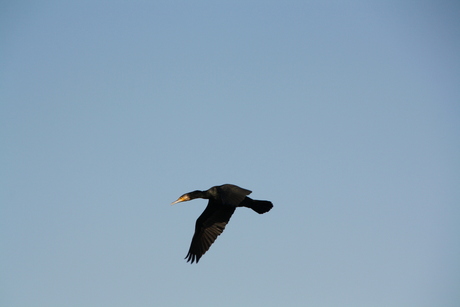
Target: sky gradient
[(345, 115)]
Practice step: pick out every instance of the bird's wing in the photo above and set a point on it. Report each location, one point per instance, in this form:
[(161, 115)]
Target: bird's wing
[(232, 195), (209, 226)]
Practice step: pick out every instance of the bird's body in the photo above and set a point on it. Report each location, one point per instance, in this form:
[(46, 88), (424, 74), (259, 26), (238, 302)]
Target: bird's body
[(223, 200)]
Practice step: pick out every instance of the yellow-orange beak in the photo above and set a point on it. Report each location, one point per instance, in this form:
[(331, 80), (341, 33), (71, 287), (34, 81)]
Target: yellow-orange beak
[(181, 199)]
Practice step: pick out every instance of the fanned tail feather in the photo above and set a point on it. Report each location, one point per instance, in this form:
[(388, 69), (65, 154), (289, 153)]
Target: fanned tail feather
[(259, 206)]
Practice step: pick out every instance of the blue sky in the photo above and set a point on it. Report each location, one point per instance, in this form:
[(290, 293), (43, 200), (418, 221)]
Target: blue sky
[(344, 114)]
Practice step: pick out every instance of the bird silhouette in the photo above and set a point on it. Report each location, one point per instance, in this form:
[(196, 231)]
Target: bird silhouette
[(223, 200)]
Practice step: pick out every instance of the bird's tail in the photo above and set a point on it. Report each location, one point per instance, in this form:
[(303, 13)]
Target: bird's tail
[(259, 206)]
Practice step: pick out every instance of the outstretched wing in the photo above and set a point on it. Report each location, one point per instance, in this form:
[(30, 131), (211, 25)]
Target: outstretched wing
[(209, 226)]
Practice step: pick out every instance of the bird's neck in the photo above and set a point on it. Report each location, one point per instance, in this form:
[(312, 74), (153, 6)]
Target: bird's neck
[(198, 194)]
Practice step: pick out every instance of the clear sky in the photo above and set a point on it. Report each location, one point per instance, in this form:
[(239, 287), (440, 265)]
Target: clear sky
[(345, 114)]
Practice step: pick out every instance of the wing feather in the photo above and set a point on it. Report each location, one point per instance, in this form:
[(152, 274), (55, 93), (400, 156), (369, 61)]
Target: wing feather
[(209, 226), (232, 195)]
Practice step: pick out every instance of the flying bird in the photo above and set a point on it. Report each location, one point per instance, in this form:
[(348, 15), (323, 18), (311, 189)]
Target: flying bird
[(223, 200)]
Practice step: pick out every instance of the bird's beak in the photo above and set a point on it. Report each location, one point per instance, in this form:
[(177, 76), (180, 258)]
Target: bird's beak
[(181, 199)]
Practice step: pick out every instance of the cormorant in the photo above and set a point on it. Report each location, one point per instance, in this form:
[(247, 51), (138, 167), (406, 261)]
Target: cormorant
[(223, 201)]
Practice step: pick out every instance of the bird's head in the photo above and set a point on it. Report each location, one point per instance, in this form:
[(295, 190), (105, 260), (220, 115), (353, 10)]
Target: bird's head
[(189, 196)]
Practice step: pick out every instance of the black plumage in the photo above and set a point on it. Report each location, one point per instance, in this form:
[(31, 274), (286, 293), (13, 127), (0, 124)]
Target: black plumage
[(223, 200)]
